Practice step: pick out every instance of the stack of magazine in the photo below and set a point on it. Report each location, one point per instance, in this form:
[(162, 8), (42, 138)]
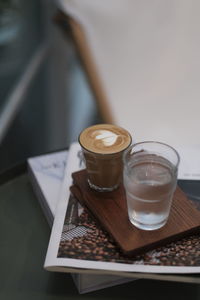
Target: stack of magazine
[(79, 246), (47, 174)]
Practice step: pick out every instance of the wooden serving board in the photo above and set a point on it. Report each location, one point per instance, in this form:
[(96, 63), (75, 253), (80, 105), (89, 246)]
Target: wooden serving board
[(110, 209)]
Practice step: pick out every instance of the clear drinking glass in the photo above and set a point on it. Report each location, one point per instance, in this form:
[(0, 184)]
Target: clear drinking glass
[(150, 178)]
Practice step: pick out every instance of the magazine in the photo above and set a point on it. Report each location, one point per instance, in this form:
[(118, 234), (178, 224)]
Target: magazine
[(46, 173), (78, 244)]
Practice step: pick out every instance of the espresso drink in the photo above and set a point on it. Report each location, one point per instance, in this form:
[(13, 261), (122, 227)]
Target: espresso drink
[(102, 146)]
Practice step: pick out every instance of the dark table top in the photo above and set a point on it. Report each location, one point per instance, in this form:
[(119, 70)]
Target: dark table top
[(24, 239)]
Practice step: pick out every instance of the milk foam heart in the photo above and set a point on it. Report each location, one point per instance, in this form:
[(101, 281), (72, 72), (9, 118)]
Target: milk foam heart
[(105, 139)]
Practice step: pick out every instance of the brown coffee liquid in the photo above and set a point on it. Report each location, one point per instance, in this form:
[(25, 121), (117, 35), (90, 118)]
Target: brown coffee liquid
[(104, 139)]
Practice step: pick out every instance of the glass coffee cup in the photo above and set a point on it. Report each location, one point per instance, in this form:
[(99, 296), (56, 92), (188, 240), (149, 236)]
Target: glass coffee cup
[(103, 146)]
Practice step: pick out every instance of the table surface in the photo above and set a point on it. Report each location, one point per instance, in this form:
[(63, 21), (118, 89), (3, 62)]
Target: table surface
[(24, 236)]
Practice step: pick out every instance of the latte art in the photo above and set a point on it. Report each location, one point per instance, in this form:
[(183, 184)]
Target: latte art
[(105, 139)]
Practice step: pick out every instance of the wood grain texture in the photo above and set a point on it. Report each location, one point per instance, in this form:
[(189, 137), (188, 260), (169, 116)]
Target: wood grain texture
[(110, 210)]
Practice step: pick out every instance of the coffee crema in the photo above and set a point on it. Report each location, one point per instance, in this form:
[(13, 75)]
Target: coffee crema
[(105, 139)]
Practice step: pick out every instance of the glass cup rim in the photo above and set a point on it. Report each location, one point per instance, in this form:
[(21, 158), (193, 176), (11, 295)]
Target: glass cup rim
[(152, 142)]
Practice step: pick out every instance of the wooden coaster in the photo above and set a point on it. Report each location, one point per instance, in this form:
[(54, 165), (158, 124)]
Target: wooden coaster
[(110, 209)]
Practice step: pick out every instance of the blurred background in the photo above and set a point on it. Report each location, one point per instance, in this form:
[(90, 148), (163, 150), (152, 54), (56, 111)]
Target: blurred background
[(45, 100)]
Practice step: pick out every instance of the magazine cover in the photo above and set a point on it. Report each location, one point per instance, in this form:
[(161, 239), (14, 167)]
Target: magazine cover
[(78, 244), (46, 173)]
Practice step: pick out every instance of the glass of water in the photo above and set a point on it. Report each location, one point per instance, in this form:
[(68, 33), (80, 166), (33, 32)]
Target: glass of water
[(150, 178)]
